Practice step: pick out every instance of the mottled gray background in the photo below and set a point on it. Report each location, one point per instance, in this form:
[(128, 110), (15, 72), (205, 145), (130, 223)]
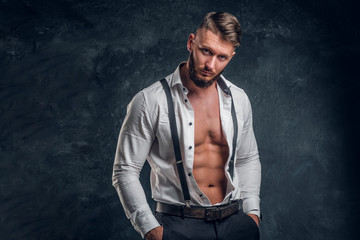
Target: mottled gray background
[(69, 68)]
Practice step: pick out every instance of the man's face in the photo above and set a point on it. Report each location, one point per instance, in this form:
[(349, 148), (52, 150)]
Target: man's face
[(209, 55)]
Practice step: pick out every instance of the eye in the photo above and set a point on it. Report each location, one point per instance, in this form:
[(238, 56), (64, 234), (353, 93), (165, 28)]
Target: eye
[(205, 51), (222, 58)]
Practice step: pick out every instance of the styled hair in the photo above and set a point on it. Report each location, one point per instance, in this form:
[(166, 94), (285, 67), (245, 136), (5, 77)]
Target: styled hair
[(224, 23)]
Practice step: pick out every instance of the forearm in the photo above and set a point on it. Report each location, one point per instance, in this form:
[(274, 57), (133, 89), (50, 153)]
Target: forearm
[(249, 178), (134, 202)]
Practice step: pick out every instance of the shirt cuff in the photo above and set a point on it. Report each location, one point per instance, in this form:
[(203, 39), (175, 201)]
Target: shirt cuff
[(146, 223), (252, 206)]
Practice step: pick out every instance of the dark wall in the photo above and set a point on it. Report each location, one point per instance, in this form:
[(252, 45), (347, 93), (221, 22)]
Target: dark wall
[(69, 68)]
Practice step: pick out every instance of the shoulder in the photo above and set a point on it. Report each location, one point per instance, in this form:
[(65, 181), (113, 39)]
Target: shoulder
[(149, 100), (154, 88), (239, 95), (153, 94)]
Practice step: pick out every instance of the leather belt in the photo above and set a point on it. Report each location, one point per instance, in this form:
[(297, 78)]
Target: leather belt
[(213, 213)]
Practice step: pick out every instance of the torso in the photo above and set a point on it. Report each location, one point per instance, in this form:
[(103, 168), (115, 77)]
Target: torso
[(211, 148)]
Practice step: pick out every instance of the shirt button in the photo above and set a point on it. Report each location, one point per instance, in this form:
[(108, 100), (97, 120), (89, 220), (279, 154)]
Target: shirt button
[(186, 100), (189, 174), (190, 123), (200, 195), (190, 147), (184, 89)]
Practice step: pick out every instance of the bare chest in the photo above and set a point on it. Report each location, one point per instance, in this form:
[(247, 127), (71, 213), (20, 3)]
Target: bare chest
[(207, 122), (211, 149)]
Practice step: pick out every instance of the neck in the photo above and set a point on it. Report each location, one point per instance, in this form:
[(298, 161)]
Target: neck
[(190, 85)]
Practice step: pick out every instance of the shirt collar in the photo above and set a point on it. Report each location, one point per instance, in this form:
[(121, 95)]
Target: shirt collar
[(176, 80)]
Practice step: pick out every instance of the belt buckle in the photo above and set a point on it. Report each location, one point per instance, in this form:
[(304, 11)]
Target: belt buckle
[(212, 214)]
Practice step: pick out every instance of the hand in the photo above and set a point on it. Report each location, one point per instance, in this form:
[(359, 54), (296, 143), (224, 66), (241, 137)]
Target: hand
[(155, 233), (255, 218)]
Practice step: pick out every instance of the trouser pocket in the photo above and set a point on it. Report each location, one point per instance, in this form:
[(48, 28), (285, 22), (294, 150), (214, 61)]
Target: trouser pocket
[(160, 217)]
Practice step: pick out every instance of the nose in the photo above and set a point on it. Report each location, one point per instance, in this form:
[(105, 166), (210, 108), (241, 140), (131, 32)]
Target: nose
[(210, 63)]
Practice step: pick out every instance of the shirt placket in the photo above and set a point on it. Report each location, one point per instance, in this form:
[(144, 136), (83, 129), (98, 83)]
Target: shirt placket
[(188, 123)]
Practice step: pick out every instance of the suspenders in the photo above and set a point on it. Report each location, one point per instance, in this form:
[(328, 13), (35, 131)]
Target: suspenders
[(175, 137), (233, 114)]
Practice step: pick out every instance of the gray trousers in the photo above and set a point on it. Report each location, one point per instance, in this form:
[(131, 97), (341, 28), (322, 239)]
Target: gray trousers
[(238, 226)]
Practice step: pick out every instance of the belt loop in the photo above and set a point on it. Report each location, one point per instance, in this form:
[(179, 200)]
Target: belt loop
[(182, 211)]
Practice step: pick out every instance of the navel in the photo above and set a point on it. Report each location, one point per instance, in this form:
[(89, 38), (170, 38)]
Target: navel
[(210, 185)]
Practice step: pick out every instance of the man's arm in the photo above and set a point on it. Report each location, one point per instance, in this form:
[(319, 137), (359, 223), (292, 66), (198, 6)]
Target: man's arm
[(134, 143), (248, 166)]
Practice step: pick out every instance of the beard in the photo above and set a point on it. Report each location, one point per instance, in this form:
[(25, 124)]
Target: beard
[(198, 81)]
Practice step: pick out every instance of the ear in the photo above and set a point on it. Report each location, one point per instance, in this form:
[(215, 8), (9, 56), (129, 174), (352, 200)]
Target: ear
[(190, 41), (232, 55)]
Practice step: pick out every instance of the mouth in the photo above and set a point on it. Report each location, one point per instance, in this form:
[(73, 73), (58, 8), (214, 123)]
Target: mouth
[(206, 73)]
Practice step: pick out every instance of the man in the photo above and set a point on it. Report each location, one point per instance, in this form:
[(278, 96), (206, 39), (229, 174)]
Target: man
[(203, 194)]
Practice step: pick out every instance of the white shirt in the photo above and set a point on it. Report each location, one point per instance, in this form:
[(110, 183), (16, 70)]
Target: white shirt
[(145, 134)]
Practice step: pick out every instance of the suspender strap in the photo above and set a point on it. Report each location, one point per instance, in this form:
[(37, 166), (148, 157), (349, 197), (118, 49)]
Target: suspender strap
[(176, 145), (227, 90), (233, 113)]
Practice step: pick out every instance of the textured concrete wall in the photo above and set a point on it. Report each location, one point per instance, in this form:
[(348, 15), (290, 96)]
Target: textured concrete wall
[(69, 68)]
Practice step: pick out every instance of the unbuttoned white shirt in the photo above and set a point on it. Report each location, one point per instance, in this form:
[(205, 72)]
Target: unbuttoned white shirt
[(145, 134)]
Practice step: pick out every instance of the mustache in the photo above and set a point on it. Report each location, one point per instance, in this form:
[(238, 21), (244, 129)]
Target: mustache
[(208, 70)]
